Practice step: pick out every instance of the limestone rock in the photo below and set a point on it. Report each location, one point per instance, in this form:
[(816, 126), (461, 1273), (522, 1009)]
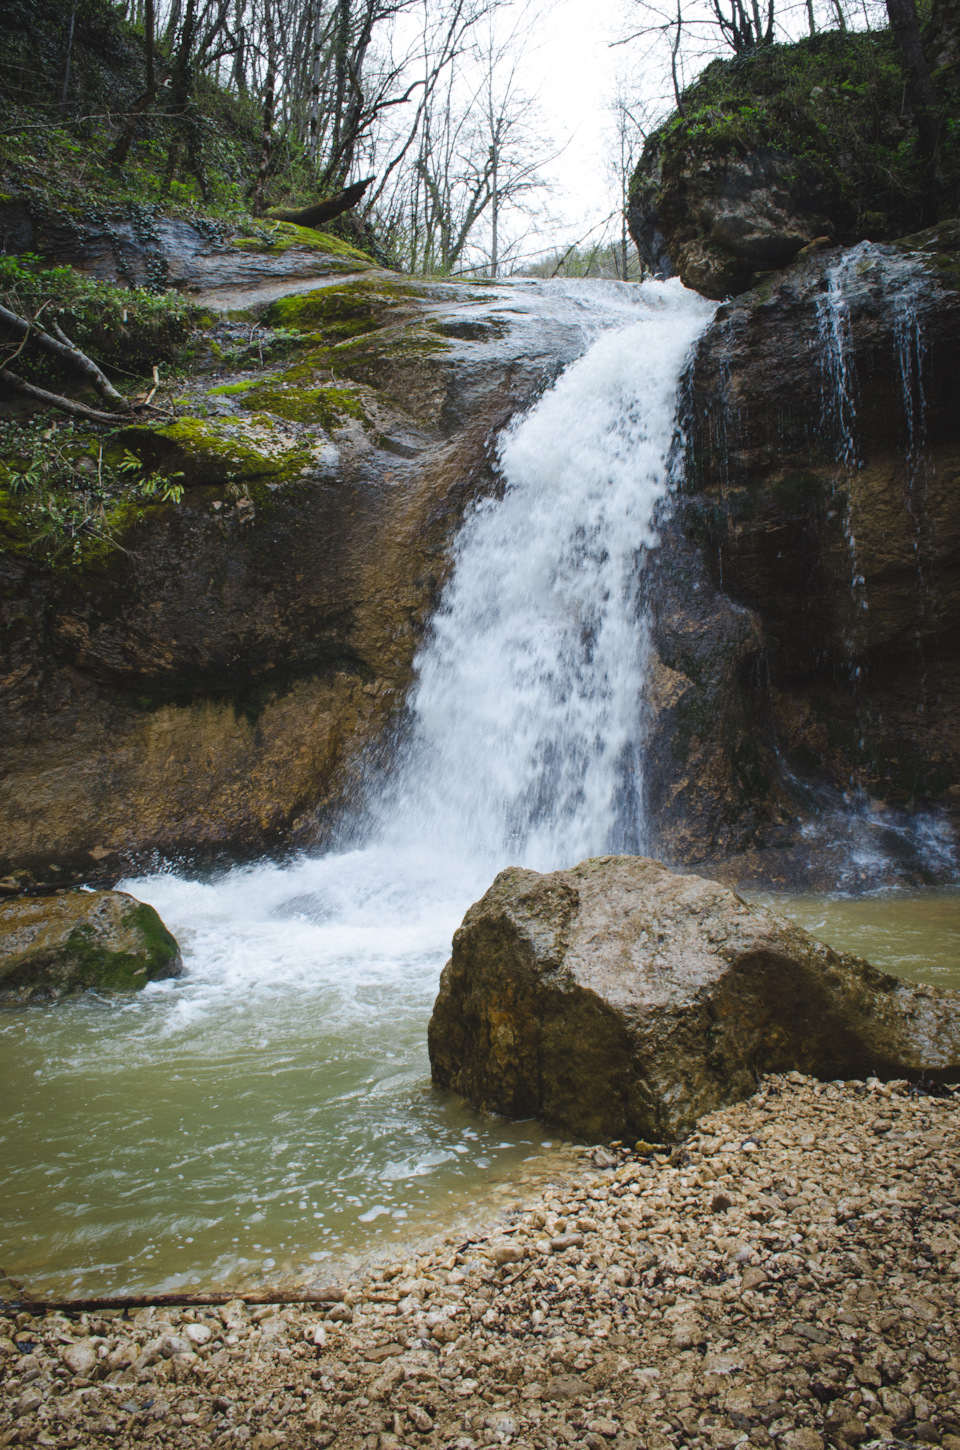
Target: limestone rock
[(783, 149), (74, 940), (168, 251), (221, 678), (619, 999)]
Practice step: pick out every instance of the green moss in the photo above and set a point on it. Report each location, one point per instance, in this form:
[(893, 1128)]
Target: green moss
[(328, 406), (831, 107), (332, 313), (278, 236), (101, 968), (218, 450), (232, 390), (16, 537)]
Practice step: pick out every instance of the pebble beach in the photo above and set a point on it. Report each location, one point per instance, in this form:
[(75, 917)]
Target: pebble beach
[(787, 1276)]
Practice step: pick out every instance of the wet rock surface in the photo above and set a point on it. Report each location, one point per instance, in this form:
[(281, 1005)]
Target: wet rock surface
[(215, 680), (618, 999), (143, 248), (74, 941), (786, 1277), (804, 598)]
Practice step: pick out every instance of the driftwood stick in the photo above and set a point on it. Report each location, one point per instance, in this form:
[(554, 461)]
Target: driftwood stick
[(187, 1301), (56, 400)]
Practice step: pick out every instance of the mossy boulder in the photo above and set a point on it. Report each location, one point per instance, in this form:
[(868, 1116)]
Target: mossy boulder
[(784, 147), (104, 941), (620, 1000), (229, 450), (275, 237)]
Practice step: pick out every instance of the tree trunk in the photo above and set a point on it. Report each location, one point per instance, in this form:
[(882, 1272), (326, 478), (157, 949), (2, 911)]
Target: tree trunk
[(121, 150), (325, 211), (255, 192), (923, 97), (68, 58)]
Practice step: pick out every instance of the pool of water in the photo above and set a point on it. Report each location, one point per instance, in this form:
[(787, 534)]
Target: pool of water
[(270, 1116), (914, 934), (270, 1113)]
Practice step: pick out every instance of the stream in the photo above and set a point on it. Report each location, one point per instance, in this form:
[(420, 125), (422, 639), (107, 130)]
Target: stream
[(269, 1116)]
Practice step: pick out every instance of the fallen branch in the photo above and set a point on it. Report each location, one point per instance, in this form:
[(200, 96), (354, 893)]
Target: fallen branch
[(186, 1301), (61, 346), (55, 400), (324, 211)]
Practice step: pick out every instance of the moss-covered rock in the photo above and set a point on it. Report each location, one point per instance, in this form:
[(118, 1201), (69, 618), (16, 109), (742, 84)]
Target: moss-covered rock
[(104, 941), (783, 147), (228, 450), (276, 237)]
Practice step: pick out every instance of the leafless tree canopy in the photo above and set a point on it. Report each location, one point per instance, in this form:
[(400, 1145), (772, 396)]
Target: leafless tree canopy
[(420, 94)]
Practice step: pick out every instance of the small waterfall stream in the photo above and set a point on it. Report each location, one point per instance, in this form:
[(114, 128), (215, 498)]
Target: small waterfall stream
[(269, 1110)]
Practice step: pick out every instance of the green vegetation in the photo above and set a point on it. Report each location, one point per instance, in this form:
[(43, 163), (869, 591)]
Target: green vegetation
[(130, 329), (273, 236), (834, 103), (67, 497), (327, 406)]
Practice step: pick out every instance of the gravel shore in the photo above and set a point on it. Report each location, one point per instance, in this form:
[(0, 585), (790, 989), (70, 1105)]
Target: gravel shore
[(786, 1276)]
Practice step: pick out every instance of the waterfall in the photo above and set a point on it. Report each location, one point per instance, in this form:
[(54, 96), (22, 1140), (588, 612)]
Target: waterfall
[(523, 744), (280, 1118), (877, 282)]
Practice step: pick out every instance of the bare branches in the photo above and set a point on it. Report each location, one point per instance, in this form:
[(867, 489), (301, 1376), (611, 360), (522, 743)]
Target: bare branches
[(54, 400), (60, 346)]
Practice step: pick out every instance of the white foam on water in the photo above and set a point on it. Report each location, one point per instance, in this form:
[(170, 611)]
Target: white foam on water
[(524, 737)]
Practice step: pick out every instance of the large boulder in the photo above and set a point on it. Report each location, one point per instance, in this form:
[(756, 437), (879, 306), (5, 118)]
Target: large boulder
[(787, 145), (620, 1000), (75, 940)]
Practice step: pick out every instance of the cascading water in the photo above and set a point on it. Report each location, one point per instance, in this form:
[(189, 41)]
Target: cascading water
[(265, 1109), (525, 718), (895, 287)]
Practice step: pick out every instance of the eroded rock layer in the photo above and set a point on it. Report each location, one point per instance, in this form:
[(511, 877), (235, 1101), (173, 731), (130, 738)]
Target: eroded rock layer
[(805, 597)]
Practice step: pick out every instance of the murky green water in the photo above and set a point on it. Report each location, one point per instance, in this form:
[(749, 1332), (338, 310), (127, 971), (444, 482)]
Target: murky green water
[(913, 934), (271, 1115)]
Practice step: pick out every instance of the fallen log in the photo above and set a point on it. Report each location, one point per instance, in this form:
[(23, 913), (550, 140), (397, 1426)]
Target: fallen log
[(324, 211), (184, 1301), (56, 400), (61, 346)]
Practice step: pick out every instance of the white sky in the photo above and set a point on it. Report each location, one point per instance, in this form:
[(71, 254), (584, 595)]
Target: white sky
[(572, 71)]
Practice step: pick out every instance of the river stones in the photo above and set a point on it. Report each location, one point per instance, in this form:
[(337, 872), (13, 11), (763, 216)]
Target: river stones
[(106, 940), (619, 999)]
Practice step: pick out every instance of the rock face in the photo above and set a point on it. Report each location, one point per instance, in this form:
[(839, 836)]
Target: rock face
[(105, 940), (805, 596), (619, 1000), (219, 677), (786, 146), (141, 248)]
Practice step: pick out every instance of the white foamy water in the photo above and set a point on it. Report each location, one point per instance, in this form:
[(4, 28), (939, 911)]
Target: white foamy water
[(272, 1107)]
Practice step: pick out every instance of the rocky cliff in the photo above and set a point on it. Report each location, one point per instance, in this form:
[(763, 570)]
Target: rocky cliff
[(215, 674), (792, 145), (806, 593)]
